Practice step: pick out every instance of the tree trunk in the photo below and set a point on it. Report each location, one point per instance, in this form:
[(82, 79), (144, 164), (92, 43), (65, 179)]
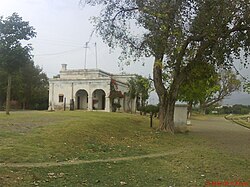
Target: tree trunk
[(131, 103), (162, 112), (169, 116), (189, 109), (166, 115), (24, 106), (167, 98), (8, 95), (166, 104), (160, 89), (202, 108)]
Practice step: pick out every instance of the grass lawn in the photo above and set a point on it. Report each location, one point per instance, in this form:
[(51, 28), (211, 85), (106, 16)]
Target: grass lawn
[(39, 137)]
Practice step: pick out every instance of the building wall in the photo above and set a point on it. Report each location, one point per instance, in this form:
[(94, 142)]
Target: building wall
[(180, 115), (69, 89), (69, 82)]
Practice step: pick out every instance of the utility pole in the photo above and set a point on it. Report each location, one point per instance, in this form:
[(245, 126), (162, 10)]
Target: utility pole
[(86, 47), (95, 55)]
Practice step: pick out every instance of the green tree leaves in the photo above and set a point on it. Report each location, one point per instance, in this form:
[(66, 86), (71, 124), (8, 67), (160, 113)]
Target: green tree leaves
[(139, 87), (13, 30), (178, 34)]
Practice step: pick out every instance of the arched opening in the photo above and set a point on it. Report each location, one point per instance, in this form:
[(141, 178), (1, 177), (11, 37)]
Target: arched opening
[(81, 100), (99, 99)]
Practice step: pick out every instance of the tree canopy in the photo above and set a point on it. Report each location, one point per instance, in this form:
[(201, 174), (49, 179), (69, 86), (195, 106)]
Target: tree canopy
[(29, 88), (179, 34), (13, 55), (206, 86)]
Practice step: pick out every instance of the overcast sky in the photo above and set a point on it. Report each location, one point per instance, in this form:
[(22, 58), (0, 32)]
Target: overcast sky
[(63, 28)]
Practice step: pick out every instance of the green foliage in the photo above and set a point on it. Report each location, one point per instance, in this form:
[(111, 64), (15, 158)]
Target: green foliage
[(178, 34), (235, 109), (246, 87), (29, 87), (199, 83), (13, 30), (189, 30), (208, 86), (150, 109), (115, 95), (139, 88)]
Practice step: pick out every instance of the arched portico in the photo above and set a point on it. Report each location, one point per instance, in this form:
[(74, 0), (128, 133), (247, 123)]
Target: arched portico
[(99, 100), (81, 100)]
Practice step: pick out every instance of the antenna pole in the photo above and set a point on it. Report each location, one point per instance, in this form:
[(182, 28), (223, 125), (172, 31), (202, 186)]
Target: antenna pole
[(95, 55), (85, 61)]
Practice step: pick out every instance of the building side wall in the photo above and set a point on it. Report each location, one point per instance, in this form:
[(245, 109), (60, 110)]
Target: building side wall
[(69, 89), (180, 115), (69, 83)]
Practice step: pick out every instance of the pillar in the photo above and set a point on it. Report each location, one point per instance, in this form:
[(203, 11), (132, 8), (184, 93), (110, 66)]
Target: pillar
[(107, 104), (90, 103), (51, 99)]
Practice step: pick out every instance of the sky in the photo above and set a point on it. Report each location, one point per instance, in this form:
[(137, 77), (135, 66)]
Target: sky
[(63, 27)]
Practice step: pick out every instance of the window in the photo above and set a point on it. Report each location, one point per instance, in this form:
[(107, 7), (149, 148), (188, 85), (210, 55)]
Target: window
[(60, 98)]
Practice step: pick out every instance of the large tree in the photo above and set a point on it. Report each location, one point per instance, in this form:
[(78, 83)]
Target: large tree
[(202, 79), (206, 86), (227, 84), (13, 30), (178, 34)]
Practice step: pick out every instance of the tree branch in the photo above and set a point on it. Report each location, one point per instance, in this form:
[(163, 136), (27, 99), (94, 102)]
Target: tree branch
[(123, 10)]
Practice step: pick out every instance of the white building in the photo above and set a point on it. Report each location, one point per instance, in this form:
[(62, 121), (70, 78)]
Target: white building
[(89, 89)]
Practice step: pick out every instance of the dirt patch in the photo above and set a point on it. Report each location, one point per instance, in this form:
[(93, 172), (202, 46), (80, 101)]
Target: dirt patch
[(76, 162)]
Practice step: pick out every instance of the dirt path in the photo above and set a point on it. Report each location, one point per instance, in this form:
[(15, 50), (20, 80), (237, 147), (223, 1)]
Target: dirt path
[(222, 133), (76, 162)]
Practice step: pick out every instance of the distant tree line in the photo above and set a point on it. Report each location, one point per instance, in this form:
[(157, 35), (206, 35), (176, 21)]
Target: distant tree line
[(235, 109), (29, 88)]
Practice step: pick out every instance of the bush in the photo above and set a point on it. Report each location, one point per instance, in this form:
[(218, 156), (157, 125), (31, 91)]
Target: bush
[(149, 108)]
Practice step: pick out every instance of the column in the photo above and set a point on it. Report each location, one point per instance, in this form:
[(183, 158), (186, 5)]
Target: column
[(51, 99), (107, 104), (72, 102), (90, 103)]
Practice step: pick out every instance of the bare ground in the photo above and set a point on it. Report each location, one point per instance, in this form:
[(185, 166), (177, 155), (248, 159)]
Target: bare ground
[(76, 162)]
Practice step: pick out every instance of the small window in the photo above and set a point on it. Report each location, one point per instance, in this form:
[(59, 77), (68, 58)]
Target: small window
[(60, 98)]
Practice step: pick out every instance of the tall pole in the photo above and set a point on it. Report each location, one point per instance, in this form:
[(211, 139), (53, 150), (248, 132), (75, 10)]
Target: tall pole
[(95, 55), (85, 61)]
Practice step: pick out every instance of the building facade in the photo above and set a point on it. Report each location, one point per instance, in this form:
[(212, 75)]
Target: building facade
[(89, 89)]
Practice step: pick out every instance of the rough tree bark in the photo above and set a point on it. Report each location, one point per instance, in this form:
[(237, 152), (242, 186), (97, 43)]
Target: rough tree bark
[(167, 98), (189, 109)]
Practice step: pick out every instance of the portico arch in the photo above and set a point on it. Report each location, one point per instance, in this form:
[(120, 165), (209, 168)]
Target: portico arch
[(99, 97), (81, 99)]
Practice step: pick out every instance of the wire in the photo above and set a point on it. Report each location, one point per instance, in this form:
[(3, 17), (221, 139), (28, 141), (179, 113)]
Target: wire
[(59, 53), (58, 42)]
